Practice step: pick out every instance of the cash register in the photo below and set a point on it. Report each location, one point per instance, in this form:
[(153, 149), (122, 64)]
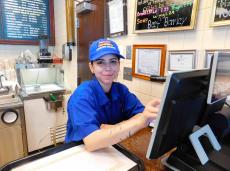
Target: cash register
[(191, 123)]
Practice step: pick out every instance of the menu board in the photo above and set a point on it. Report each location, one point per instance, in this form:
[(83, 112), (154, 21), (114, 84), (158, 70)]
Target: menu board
[(221, 12), (165, 15), (22, 21)]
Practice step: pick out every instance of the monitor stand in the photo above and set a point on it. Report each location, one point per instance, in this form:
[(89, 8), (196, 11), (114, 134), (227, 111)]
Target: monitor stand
[(200, 153), (194, 138)]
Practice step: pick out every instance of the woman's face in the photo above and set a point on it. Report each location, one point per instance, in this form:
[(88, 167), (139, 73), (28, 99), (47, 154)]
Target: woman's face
[(106, 69)]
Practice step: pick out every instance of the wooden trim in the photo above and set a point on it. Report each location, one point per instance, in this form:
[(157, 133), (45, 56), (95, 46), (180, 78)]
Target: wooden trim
[(162, 47), (172, 28), (31, 42)]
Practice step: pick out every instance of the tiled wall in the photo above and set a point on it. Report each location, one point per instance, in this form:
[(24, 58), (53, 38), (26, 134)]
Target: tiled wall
[(202, 38)]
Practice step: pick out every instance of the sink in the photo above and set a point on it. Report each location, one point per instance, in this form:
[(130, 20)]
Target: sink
[(9, 98), (4, 90)]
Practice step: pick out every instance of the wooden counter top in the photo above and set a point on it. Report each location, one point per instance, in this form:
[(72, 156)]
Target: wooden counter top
[(138, 145)]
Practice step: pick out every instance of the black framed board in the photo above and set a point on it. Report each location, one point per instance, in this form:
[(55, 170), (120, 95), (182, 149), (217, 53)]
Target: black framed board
[(220, 13), (164, 15), (22, 21)]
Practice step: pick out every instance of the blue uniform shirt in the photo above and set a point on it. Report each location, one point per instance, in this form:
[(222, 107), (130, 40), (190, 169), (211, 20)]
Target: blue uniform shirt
[(89, 107)]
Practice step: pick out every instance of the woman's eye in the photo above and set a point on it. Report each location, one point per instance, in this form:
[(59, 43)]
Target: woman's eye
[(99, 62), (114, 62)]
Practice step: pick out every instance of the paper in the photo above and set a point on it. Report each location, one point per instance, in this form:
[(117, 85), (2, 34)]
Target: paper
[(116, 16), (181, 61), (148, 61), (77, 158)]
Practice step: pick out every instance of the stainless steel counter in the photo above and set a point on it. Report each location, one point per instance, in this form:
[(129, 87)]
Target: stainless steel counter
[(10, 101), (31, 92)]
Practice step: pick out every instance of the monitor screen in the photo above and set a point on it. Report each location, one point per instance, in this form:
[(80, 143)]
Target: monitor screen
[(219, 86), (183, 103)]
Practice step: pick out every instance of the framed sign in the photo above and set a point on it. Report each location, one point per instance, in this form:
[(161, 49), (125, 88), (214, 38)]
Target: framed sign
[(164, 15), (182, 60), (220, 13), (208, 56), (22, 22), (117, 17), (210, 53), (148, 60)]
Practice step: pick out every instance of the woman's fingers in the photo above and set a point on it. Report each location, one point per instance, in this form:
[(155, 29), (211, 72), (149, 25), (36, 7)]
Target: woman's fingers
[(152, 109), (154, 102)]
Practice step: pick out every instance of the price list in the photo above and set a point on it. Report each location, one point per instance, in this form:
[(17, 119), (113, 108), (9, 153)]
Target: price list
[(24, 19)]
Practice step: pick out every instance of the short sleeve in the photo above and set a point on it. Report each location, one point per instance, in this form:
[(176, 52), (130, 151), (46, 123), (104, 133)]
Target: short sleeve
[(132, 104), (82, 117)]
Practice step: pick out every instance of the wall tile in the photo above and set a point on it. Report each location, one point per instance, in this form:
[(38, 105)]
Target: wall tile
[(157, 89), (141, 86), (227, 39), (193, 39), (214, 38), (143, 97), (175, 40), (128, 84)]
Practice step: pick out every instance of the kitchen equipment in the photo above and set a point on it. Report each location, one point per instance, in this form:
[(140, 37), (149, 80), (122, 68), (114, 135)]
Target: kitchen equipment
[(13, 143), (40, 78), (43, 95)]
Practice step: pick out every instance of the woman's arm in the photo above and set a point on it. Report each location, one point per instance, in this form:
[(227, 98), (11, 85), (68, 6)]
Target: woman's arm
[(112, 134)]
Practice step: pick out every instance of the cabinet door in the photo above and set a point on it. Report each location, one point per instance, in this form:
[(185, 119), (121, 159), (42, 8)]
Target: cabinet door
[(39, 121), (11, 146)]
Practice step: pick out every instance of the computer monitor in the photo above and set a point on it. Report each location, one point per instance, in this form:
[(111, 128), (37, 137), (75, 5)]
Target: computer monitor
[(219, 87), (183, 103)]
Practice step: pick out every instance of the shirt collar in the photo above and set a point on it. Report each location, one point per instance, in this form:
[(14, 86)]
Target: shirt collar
[(101, 95)]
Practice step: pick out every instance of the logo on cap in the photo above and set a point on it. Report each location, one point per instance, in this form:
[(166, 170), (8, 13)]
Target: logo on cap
[(105, 44)]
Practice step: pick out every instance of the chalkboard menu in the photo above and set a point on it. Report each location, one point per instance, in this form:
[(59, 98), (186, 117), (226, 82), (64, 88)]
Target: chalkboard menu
[(221, 12), (164, 15), (22, 21)]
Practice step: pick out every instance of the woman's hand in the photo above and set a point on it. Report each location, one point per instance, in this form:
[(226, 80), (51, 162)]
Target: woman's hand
[(150, 112)]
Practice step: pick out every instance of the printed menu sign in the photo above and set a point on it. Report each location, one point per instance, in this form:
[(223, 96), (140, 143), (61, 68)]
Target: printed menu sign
[(24, 20), (222, 10), (165, 15)]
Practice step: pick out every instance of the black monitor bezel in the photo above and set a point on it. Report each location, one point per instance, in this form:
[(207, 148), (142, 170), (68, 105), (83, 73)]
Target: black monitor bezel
[(156, 146)]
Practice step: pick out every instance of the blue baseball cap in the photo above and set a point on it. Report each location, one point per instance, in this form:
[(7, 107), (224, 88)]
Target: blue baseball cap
[(103, 47)]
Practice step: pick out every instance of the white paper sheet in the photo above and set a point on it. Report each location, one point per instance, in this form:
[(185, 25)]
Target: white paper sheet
[(148, 61), (116, 16), (181, 61), (77, 158)]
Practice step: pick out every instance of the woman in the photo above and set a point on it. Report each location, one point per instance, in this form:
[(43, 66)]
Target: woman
[(102, 112)]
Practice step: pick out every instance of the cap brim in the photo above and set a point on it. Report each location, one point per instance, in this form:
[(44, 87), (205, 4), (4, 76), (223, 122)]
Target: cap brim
[(99, 55)]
